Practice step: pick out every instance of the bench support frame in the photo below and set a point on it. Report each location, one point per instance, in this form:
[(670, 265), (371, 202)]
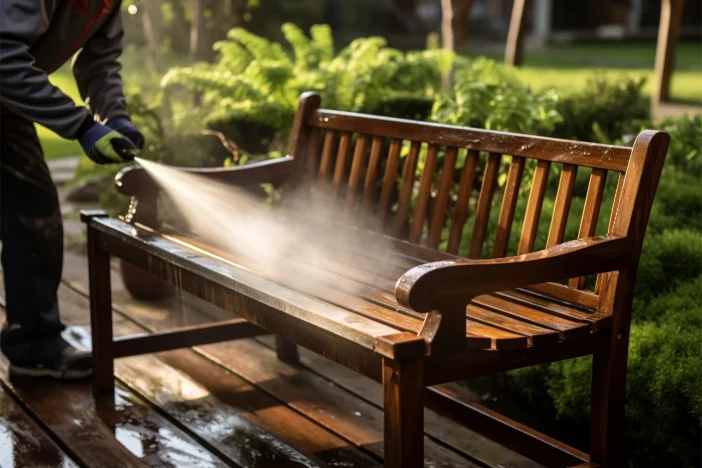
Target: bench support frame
[(406, 373)]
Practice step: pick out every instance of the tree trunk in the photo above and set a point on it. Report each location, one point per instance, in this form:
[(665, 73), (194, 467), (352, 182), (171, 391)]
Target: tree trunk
[(454, 23), (151, 19), (197, 31), (178, 27), (454, 29)]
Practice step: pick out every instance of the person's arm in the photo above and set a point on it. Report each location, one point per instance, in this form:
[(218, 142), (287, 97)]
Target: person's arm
[(97, 70), (24, 88)]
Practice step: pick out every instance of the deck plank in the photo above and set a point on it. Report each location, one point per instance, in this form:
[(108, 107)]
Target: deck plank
[(117, 432), (329, 406), (23, 443), (436, 426), (229, 394), (221, 409), (240, 442)]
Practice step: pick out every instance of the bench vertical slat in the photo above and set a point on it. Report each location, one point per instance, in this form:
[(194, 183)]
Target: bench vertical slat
[(371, 183), (408, 176), (591, 212), (482, 214), (341, 157), (615, 205), (460, 214), (442, 198), (391, 169), (422, 202), (533, 210), (313, 151), (357, 166), (327, 151), (509, 202), (562, 205)]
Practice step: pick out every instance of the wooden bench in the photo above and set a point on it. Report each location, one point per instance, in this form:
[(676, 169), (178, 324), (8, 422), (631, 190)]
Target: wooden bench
[(430, 316)]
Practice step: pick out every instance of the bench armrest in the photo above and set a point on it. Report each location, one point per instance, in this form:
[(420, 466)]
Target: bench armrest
[(134, 181), (440, 284)]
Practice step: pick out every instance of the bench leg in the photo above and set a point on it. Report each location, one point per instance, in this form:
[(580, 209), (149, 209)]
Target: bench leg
[(403, 388), (607, 407), (286, 351), (101, 317)]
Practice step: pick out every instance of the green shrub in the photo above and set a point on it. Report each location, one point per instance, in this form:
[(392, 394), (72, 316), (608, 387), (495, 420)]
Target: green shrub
[(668, 259), (664, 391), (685, 151), (604, 110), (678, 202), (488, 95), (686, 297)]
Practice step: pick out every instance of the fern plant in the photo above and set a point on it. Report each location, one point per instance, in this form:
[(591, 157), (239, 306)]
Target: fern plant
[(258, 80)]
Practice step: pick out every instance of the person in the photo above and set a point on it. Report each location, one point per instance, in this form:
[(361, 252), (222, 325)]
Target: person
[(36, 38)]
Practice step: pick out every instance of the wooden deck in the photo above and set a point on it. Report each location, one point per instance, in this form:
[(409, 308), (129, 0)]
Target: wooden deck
[(229, 404)]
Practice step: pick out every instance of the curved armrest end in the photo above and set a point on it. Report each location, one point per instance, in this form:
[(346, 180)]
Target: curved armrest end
[(433, 285), (414, 289)]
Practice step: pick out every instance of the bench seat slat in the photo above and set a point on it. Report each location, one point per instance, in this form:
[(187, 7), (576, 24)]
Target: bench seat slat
[(365, 290), (117, 234), (536, 335), (382, 306), (380, 290), (401, 264), (569, 328)]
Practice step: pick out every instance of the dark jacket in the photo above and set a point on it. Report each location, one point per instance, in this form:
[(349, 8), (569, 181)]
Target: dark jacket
[(37, 37)]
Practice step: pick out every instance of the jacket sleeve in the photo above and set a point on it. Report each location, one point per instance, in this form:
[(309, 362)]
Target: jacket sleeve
[(97, 70), (24, 88)]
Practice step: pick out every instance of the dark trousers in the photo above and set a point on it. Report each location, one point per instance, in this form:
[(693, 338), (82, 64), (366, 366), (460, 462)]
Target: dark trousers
[(31, 230)]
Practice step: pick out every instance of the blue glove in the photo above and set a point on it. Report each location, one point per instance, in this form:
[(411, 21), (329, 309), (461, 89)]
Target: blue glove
[(105, 145), (124, 126)]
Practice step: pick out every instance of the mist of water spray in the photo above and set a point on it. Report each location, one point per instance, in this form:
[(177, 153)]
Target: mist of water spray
[(303, 243)]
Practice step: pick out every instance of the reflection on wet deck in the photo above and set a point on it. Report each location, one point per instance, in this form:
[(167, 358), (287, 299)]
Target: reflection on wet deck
[(228, 404)]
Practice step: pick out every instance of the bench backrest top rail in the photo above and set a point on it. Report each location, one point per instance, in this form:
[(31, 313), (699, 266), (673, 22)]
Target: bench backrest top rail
[(609, 157)]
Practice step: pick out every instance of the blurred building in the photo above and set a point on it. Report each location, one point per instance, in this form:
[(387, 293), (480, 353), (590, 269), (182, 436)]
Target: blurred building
[(568, 20)]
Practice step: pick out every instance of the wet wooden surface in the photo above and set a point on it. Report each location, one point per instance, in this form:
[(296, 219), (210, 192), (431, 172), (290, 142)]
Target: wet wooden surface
[(22, 442), (228, 404)]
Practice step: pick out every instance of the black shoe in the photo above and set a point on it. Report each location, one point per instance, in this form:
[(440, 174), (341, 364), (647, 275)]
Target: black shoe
[(70, 364)]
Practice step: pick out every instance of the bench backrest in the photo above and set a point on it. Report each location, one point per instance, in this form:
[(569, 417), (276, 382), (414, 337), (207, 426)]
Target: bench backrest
[(407, 174)]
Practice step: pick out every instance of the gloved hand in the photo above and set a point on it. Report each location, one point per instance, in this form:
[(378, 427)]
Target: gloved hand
[(124, 126), (105, 145)]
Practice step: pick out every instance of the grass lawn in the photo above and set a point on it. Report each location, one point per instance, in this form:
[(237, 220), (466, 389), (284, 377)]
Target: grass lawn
[(556, 66), (570, 66)]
